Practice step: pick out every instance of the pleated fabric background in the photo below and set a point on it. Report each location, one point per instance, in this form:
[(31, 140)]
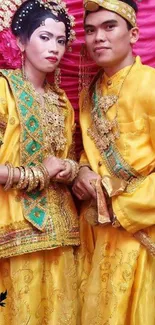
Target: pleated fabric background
[(70, 63)]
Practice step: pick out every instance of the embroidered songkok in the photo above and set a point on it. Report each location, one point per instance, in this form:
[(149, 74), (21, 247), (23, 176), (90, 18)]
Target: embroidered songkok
[(121, 8)]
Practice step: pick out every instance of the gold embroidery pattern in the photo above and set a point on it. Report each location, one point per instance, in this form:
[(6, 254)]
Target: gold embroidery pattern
[(53, 113), (71, 151), (12, 120), (135, 180), (56, 288), (108, 101), (121, 8), (61, 228), (96, 132), (52, 210), (104, 134), (108, 130), (31, 144), (113, 272), (3, 124), (145, 240)]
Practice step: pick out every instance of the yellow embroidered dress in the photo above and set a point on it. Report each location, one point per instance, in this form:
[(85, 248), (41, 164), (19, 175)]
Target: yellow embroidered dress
[(37, 229), (116, 273)]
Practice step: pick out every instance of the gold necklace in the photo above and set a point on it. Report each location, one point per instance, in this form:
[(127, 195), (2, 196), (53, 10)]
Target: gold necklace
[(107, 101), (104, 131)]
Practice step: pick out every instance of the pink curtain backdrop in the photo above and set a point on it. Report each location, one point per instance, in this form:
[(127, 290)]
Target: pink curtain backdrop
[(70, 64)]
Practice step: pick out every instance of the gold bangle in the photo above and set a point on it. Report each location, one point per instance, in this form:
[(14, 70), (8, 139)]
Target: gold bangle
[(45, 173), (36, 176), (41, 180), (26, 179), (9, 181), (31, 180), (75, 168), (19, 185)]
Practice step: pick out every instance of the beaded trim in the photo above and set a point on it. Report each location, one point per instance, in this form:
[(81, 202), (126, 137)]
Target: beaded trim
[(20, 237)]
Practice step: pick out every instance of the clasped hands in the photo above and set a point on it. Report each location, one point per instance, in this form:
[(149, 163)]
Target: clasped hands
[(58, 168), (83, 185), (61, 170)]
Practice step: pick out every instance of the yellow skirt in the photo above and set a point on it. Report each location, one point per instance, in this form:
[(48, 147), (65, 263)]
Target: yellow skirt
[(116, 278), (42, 288)]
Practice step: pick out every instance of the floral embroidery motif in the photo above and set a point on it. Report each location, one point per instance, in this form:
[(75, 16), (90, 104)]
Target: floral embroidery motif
[(113, 271), (56, 302)]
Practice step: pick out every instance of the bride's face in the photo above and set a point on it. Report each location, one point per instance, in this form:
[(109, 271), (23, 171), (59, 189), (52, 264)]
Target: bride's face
[(46, 46)]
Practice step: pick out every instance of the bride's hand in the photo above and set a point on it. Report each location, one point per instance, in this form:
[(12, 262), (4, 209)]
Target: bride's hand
[(65, 175), (54, 165)]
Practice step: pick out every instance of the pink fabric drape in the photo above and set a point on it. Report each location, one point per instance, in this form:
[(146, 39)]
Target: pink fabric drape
[(70, 63), (145, 47)]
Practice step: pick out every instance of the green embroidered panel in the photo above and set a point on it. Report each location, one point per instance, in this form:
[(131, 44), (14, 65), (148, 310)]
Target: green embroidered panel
[(32, 144)]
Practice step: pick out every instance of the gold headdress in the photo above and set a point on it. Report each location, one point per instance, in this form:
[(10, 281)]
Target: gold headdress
[(121, 8), (8, 9)]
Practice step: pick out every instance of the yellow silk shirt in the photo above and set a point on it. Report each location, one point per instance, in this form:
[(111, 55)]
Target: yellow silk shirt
[(116, 273), (136, 118), (17, 235)]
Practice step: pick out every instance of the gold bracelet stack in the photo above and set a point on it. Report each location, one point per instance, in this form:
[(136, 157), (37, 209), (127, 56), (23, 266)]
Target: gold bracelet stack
[(41, 180), (26, 178), (22, 178), (31, 177), (45, 173), (36, 176), (9, 181), (75, 169), (31, 181)]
